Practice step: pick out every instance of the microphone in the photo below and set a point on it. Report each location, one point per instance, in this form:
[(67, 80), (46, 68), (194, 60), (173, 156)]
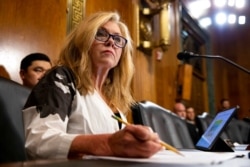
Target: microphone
[(187, 55)]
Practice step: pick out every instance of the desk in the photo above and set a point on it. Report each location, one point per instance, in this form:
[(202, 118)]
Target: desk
[(109, 163), (236, 162)]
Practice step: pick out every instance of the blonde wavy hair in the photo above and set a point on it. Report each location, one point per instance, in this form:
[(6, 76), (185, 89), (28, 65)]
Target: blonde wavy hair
[(74, 54)]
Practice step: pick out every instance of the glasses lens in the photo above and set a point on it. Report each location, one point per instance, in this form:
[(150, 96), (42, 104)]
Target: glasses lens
[(119, 41), (102, 35)]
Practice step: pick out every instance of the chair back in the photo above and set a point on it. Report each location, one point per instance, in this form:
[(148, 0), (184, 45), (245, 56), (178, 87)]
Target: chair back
[(238, 131), (170, 128), (12, 99), (203, 121)]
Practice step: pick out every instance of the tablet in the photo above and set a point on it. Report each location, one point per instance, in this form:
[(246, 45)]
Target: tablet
[(210, 140)]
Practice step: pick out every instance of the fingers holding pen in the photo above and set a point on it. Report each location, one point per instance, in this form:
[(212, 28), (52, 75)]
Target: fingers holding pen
[(134, 141), (142, 133)]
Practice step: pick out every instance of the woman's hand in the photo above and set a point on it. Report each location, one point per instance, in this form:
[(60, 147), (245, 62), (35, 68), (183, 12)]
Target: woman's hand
[(134, 141)]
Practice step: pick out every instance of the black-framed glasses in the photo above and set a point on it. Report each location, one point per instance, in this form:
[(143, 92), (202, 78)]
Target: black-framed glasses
[(103, 35)]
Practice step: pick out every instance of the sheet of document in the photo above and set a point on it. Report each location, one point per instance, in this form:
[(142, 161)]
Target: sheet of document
[(168, 157), (241, 147)]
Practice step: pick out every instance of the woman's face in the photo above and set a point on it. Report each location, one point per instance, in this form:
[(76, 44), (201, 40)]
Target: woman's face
[(106, 55)]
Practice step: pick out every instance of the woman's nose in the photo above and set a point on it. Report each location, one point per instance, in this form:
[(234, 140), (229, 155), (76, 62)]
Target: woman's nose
[(110, 42)]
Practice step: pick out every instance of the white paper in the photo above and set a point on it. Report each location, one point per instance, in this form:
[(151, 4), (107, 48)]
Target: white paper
[(240, 147), (169, 157)]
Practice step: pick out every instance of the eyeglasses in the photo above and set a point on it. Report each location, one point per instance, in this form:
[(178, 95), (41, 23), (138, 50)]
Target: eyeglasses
[(103, 35)]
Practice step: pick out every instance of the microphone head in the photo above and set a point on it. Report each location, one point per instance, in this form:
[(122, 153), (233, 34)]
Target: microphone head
[(185, 55), (180, 56)]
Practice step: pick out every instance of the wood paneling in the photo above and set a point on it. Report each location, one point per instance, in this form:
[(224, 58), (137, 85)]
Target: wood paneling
[(164, 70), (185, 73), (232, 43), (28, 26)]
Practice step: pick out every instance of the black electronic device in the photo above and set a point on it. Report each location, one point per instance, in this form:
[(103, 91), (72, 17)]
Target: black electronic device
[(210, 140)]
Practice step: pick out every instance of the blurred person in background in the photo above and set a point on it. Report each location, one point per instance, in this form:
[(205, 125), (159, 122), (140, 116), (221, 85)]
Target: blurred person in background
[(33, 67)]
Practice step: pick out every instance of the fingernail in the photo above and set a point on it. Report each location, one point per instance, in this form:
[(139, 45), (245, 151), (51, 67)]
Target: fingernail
[(150, 129)]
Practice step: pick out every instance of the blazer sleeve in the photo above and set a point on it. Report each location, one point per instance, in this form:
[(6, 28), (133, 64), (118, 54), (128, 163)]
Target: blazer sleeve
[(46, 113)]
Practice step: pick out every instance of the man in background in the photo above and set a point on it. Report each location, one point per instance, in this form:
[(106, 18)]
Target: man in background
[(180, 110), (225, 104), (33, 67), (190, 115)]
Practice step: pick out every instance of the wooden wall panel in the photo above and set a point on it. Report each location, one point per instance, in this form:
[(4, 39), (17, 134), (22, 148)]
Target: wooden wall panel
[(232, 83), (30, 26), (185, 74), (166, 69)]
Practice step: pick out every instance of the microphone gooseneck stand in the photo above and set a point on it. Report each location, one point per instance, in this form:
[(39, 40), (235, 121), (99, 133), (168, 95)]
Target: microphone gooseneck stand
[(192, 55)]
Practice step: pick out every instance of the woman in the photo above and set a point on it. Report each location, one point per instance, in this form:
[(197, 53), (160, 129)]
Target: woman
[(68, 113)]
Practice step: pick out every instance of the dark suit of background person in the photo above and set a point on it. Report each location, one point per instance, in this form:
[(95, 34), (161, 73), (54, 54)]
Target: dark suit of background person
[(191, 123)]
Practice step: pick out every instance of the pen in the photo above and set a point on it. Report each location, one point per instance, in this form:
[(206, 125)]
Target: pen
[(167, 146)]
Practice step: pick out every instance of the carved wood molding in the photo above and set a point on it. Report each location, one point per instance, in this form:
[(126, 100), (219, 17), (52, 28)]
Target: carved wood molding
[(75, 13)]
